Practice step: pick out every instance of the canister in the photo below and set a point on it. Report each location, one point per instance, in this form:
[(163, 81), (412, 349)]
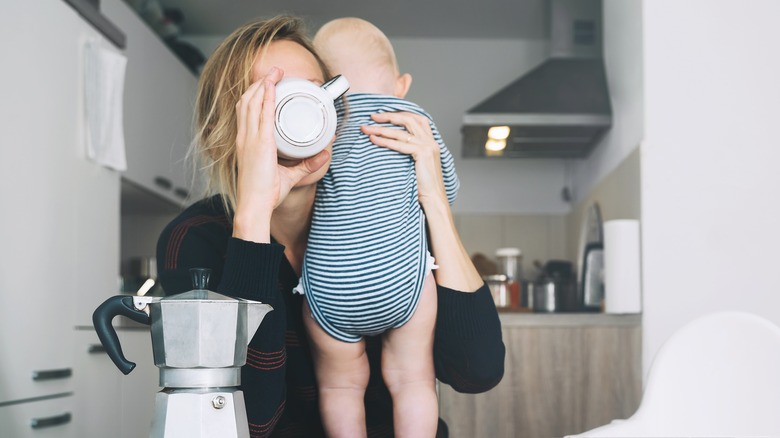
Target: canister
[(498, 289), (509, 262), (545, 296)]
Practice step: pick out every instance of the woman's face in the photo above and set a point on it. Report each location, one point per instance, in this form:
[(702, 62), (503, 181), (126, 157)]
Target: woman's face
[(296, 62)]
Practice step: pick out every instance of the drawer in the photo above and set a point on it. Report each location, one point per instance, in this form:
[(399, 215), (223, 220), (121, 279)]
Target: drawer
[(38, 366), (38, 419), (108, 403)]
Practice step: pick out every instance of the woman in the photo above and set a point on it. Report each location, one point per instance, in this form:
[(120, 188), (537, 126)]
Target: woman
[(253, 235)]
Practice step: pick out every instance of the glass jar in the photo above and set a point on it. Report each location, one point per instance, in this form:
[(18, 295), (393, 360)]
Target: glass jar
[(509, 264), (498, 289)]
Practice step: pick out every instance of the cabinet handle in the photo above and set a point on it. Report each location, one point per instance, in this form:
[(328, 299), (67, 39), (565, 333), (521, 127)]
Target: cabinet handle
[(96, 349), (57, 420), (163, 183), (63, 373), (182, 193)]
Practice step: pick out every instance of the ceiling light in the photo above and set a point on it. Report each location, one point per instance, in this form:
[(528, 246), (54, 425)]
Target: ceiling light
[(492, 145), (498, 133)]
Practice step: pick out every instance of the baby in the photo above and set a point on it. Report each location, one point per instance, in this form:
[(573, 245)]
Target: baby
[(367, 270)]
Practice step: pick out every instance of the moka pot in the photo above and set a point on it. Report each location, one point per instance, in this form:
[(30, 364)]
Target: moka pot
[(199, 342)]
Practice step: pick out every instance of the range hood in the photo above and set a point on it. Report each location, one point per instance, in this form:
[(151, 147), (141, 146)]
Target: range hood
[(561, 108)]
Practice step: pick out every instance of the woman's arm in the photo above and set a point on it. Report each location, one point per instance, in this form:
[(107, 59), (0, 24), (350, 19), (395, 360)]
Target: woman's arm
[(468, 348), (456, 271), (201, 239)]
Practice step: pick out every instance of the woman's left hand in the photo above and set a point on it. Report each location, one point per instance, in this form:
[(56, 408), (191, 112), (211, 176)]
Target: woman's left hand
[(416, 140)]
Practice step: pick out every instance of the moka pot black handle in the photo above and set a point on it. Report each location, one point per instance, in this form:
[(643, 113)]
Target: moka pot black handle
[(101, 319)]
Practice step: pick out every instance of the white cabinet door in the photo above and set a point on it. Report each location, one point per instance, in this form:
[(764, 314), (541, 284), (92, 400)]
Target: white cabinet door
[(97, 400), (140, 386), (45, 178), (108, 403), (158, 107), (51, 418), (96, 240)]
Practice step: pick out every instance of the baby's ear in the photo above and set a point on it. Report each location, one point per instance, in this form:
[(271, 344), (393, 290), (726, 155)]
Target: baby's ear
[(402, 85)]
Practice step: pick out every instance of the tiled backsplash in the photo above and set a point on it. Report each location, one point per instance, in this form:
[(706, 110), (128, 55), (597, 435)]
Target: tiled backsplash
[(546, 237), (539, 237)]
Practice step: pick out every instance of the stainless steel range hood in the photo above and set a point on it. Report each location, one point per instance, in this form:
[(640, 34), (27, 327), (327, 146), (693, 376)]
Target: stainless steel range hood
[(561, 108)]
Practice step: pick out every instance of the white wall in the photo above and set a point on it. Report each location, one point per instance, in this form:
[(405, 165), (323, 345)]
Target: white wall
[(709, 165), (623, 62)]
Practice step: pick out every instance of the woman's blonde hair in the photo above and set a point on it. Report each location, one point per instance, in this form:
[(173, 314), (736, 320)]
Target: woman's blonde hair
[(225, 77)]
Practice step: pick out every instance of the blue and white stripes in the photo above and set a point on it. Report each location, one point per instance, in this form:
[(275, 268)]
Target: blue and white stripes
[(366, 258)]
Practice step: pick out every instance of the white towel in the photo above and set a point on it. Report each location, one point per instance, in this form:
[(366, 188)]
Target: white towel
[(104, 87)]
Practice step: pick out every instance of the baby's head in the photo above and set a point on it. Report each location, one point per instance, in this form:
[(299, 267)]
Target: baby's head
[(360, 51)]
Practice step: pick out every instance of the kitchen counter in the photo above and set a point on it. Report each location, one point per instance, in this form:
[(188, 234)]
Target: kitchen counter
[(564, 373), (512, 318)]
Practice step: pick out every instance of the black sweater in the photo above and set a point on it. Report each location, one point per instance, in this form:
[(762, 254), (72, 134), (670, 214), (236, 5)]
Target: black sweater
[(278, 379)]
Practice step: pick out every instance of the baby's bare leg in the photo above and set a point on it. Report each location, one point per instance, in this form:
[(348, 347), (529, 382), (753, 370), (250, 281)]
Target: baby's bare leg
[(407, 367), (342, 376)]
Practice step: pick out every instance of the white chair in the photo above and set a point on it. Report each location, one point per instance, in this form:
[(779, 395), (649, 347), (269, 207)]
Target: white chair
[(718, 376)]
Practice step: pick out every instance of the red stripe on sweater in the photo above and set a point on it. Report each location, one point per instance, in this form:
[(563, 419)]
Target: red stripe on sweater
[(307, 393), (263, 430), (178, 233), (266, 361), (292, 338)]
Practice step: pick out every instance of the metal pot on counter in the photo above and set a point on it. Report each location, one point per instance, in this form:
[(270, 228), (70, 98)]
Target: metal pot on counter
[(555, 288)]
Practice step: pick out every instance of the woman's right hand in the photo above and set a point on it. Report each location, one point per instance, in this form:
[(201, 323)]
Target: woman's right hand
[(263, 183)]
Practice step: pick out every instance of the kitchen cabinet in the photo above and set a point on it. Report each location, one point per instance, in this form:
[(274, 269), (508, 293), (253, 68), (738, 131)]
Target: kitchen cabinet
[(564, 374), (50, 418), (108, 403), (159, 99), (60, 227), (97, 403), (138, 389), (58, 216)]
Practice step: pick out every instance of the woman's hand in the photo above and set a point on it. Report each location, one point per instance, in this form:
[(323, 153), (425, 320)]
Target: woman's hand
[(263, 183), (456, 271), (416, 140)]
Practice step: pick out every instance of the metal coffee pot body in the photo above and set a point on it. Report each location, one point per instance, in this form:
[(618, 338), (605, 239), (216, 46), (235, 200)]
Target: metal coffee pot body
[(195, 329), (202, 329)]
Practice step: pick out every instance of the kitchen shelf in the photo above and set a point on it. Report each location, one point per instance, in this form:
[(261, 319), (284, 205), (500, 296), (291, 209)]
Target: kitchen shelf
[(90, 11)]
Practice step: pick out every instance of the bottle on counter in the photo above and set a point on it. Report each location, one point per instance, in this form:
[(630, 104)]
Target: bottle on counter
[(510, 265), (498, 289)]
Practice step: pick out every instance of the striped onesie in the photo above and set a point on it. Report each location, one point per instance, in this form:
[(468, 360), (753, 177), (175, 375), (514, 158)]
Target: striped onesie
[(367, 256)]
